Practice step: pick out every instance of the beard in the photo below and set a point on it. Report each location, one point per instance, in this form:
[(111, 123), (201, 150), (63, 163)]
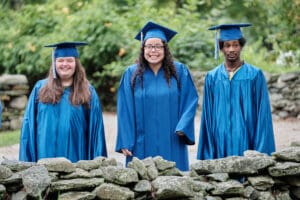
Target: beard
[(232, 57)]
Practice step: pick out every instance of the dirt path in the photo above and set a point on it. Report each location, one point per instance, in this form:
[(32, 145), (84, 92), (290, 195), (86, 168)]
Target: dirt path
[(285, 132)]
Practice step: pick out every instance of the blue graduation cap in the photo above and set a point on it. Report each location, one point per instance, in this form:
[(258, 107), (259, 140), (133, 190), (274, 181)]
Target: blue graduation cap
[(153, 30), (228, 32), (64, 49)]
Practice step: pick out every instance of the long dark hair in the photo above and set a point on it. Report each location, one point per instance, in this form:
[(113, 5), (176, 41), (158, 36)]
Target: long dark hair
[(80, 92), (167, 65)]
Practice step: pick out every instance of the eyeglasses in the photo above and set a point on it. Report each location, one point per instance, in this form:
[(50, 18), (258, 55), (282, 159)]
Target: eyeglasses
[(155, 47)]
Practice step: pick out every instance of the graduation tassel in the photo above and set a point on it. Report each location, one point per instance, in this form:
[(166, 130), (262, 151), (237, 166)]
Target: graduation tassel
[(53, 64), (216, 45), (142, 38)]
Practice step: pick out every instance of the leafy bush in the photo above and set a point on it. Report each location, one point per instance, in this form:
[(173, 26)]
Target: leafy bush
[(110, 27)]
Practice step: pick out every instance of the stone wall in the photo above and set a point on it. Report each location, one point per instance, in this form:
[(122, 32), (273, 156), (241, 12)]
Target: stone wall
[(284, 93), (252, 176), (13, 95)]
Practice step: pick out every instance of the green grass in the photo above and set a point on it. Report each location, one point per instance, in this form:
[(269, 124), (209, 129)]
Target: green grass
[(8, 138)]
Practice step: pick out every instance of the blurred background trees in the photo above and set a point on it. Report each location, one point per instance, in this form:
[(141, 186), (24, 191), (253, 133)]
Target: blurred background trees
[(273, 40)]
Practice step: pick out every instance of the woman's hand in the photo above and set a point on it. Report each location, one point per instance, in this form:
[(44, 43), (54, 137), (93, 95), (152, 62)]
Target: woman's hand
[(126, 152), (180, 133)]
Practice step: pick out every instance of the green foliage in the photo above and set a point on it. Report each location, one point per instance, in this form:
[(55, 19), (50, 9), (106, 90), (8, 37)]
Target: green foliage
[(110, 26), (8, 138)]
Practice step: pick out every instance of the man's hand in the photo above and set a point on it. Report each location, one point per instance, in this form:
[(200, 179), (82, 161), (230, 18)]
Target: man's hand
[(126, 152), (179, 133)]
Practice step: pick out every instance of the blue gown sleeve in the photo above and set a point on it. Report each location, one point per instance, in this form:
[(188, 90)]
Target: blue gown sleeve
[(188, 106), (205, 146), (125, 114), (96, 142), (263, 140), (27, 151)]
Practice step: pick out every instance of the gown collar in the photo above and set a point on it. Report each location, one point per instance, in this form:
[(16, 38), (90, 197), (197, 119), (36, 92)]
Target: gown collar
[(226, 73)]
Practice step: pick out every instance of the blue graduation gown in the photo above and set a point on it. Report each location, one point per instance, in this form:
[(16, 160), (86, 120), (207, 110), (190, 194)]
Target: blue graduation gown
[(236, 114), (149, 117), (62, 129)]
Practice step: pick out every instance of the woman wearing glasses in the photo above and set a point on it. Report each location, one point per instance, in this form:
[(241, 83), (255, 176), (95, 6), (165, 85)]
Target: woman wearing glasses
[(157, 102)]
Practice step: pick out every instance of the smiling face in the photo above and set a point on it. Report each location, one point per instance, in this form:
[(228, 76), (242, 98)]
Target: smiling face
[(154, 52), (232, 50), (65, 68)]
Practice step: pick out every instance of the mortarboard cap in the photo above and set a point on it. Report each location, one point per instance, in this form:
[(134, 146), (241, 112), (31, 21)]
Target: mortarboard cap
[(153, 30), (64, 49), (230, 31), (227, 32)]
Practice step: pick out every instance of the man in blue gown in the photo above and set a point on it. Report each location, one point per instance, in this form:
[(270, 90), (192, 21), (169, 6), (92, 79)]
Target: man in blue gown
[(63, 117), (157, 102), (236, 113)]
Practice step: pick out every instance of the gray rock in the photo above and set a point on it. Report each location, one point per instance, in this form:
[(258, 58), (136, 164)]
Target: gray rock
[(35, 180), (285, 169), (54, 176), (219, 177), (250, 192), (162, 164), (148, 161), (139, 167), (96, 173), (121, 176), (111, 191), (109, 162), (126, 176), (5, 172), (288, 154), (18, 102), (280, 84), (13, 79), (79, 173), (57, 164), (261, 182), (152, 172), (143, 186), (170, 172), (15, 92), (283, 196), (77, 196), (87, 164), (289, 77), (202, 186), (172, 187), (230, 187), (268, 77), (76, 184), (21, 195), (233, 164), (15, 123), (15, 179), (283, 114), (16, 165), (212, 198)]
